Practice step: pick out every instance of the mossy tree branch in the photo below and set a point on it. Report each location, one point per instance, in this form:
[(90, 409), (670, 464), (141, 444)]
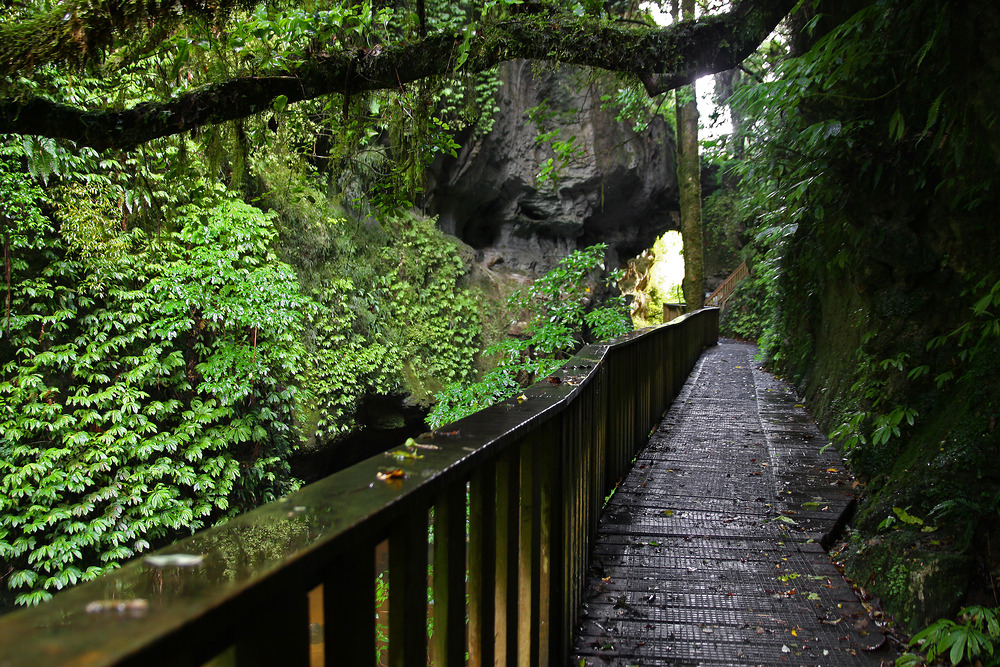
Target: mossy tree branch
[(663, 58), (77, 32)]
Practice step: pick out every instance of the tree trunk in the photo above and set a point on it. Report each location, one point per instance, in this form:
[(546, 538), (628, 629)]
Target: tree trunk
[(689, 178)]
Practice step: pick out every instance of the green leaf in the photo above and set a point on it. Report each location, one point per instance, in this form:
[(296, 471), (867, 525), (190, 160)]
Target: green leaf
[(463, 49), (897, 125), (932, 114), (906, 517), (183, 53), (959, 636)]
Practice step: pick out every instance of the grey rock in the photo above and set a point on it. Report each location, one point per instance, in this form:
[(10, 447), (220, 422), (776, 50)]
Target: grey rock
[(622, 191)]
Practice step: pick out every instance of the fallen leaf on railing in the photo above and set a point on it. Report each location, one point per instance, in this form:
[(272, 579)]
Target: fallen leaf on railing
[(448, 434), (403, 454), (391, 475), (554, 379), (522, 398), (175, 560), (412, 444), (133, 607)]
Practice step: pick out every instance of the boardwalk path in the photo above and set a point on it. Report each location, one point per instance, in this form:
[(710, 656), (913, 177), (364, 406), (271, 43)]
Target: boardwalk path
[(710, 551)]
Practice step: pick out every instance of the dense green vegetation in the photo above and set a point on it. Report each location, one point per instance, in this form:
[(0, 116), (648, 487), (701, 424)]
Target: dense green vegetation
[(559, 323), (147, 383), (160, 366), (871, 143), (180, 318), (212, 254)]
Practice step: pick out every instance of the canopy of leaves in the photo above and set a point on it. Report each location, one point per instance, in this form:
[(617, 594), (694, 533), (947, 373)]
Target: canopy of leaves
[(167, 69)]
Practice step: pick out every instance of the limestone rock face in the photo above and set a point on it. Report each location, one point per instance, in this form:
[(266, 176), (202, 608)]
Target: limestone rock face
[(621, 189)]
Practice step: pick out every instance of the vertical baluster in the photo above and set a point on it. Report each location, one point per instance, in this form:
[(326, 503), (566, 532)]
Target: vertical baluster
[(349, 609), (408, 590), (554, 595), (449, 577), (526, 553), (508, 499), (482, 565), (530, 579), (570, 484)]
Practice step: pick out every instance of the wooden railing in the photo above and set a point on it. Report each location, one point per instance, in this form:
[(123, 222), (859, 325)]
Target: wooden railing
[(725, 290), (511, 496)]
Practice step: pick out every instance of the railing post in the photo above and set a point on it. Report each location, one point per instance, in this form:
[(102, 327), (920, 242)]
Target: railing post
[(508, 516), (529, 557), (482, 565), (449, 577), (408, 590), (571, 471), (552, 556)]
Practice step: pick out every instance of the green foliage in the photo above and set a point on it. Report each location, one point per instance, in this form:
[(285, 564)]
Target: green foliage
[(865, 183), (826, 120), (630, 103), (558, 303), (144, 395), (395, 318), (469, 100), (724, 225), (558, 324), (19, 196), (978, 333), (873, 412), (20, 217), (566, 151), (442, 317), (974, 513), (973, 640), (830, 120)]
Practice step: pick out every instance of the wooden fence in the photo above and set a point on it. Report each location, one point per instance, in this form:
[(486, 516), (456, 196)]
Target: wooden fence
[(728, 286), (501, 506)]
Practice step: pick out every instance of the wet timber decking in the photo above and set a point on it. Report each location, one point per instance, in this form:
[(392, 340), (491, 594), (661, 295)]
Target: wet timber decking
[(710, 551)]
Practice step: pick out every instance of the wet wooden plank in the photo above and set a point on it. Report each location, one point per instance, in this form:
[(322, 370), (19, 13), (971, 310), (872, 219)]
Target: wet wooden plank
[(709, 552)]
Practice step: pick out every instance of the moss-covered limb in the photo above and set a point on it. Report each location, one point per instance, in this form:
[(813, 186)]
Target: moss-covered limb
[(76, 32), (676, 55)]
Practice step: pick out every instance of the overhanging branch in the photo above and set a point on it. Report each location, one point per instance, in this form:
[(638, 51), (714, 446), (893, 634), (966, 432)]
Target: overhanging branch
[(663, 58)]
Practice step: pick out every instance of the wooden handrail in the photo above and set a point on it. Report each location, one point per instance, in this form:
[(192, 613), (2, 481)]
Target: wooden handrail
[(725, 290), (511, 494)]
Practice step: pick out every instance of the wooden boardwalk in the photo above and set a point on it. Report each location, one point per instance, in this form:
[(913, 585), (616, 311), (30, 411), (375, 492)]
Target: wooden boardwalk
[(711, 552)]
